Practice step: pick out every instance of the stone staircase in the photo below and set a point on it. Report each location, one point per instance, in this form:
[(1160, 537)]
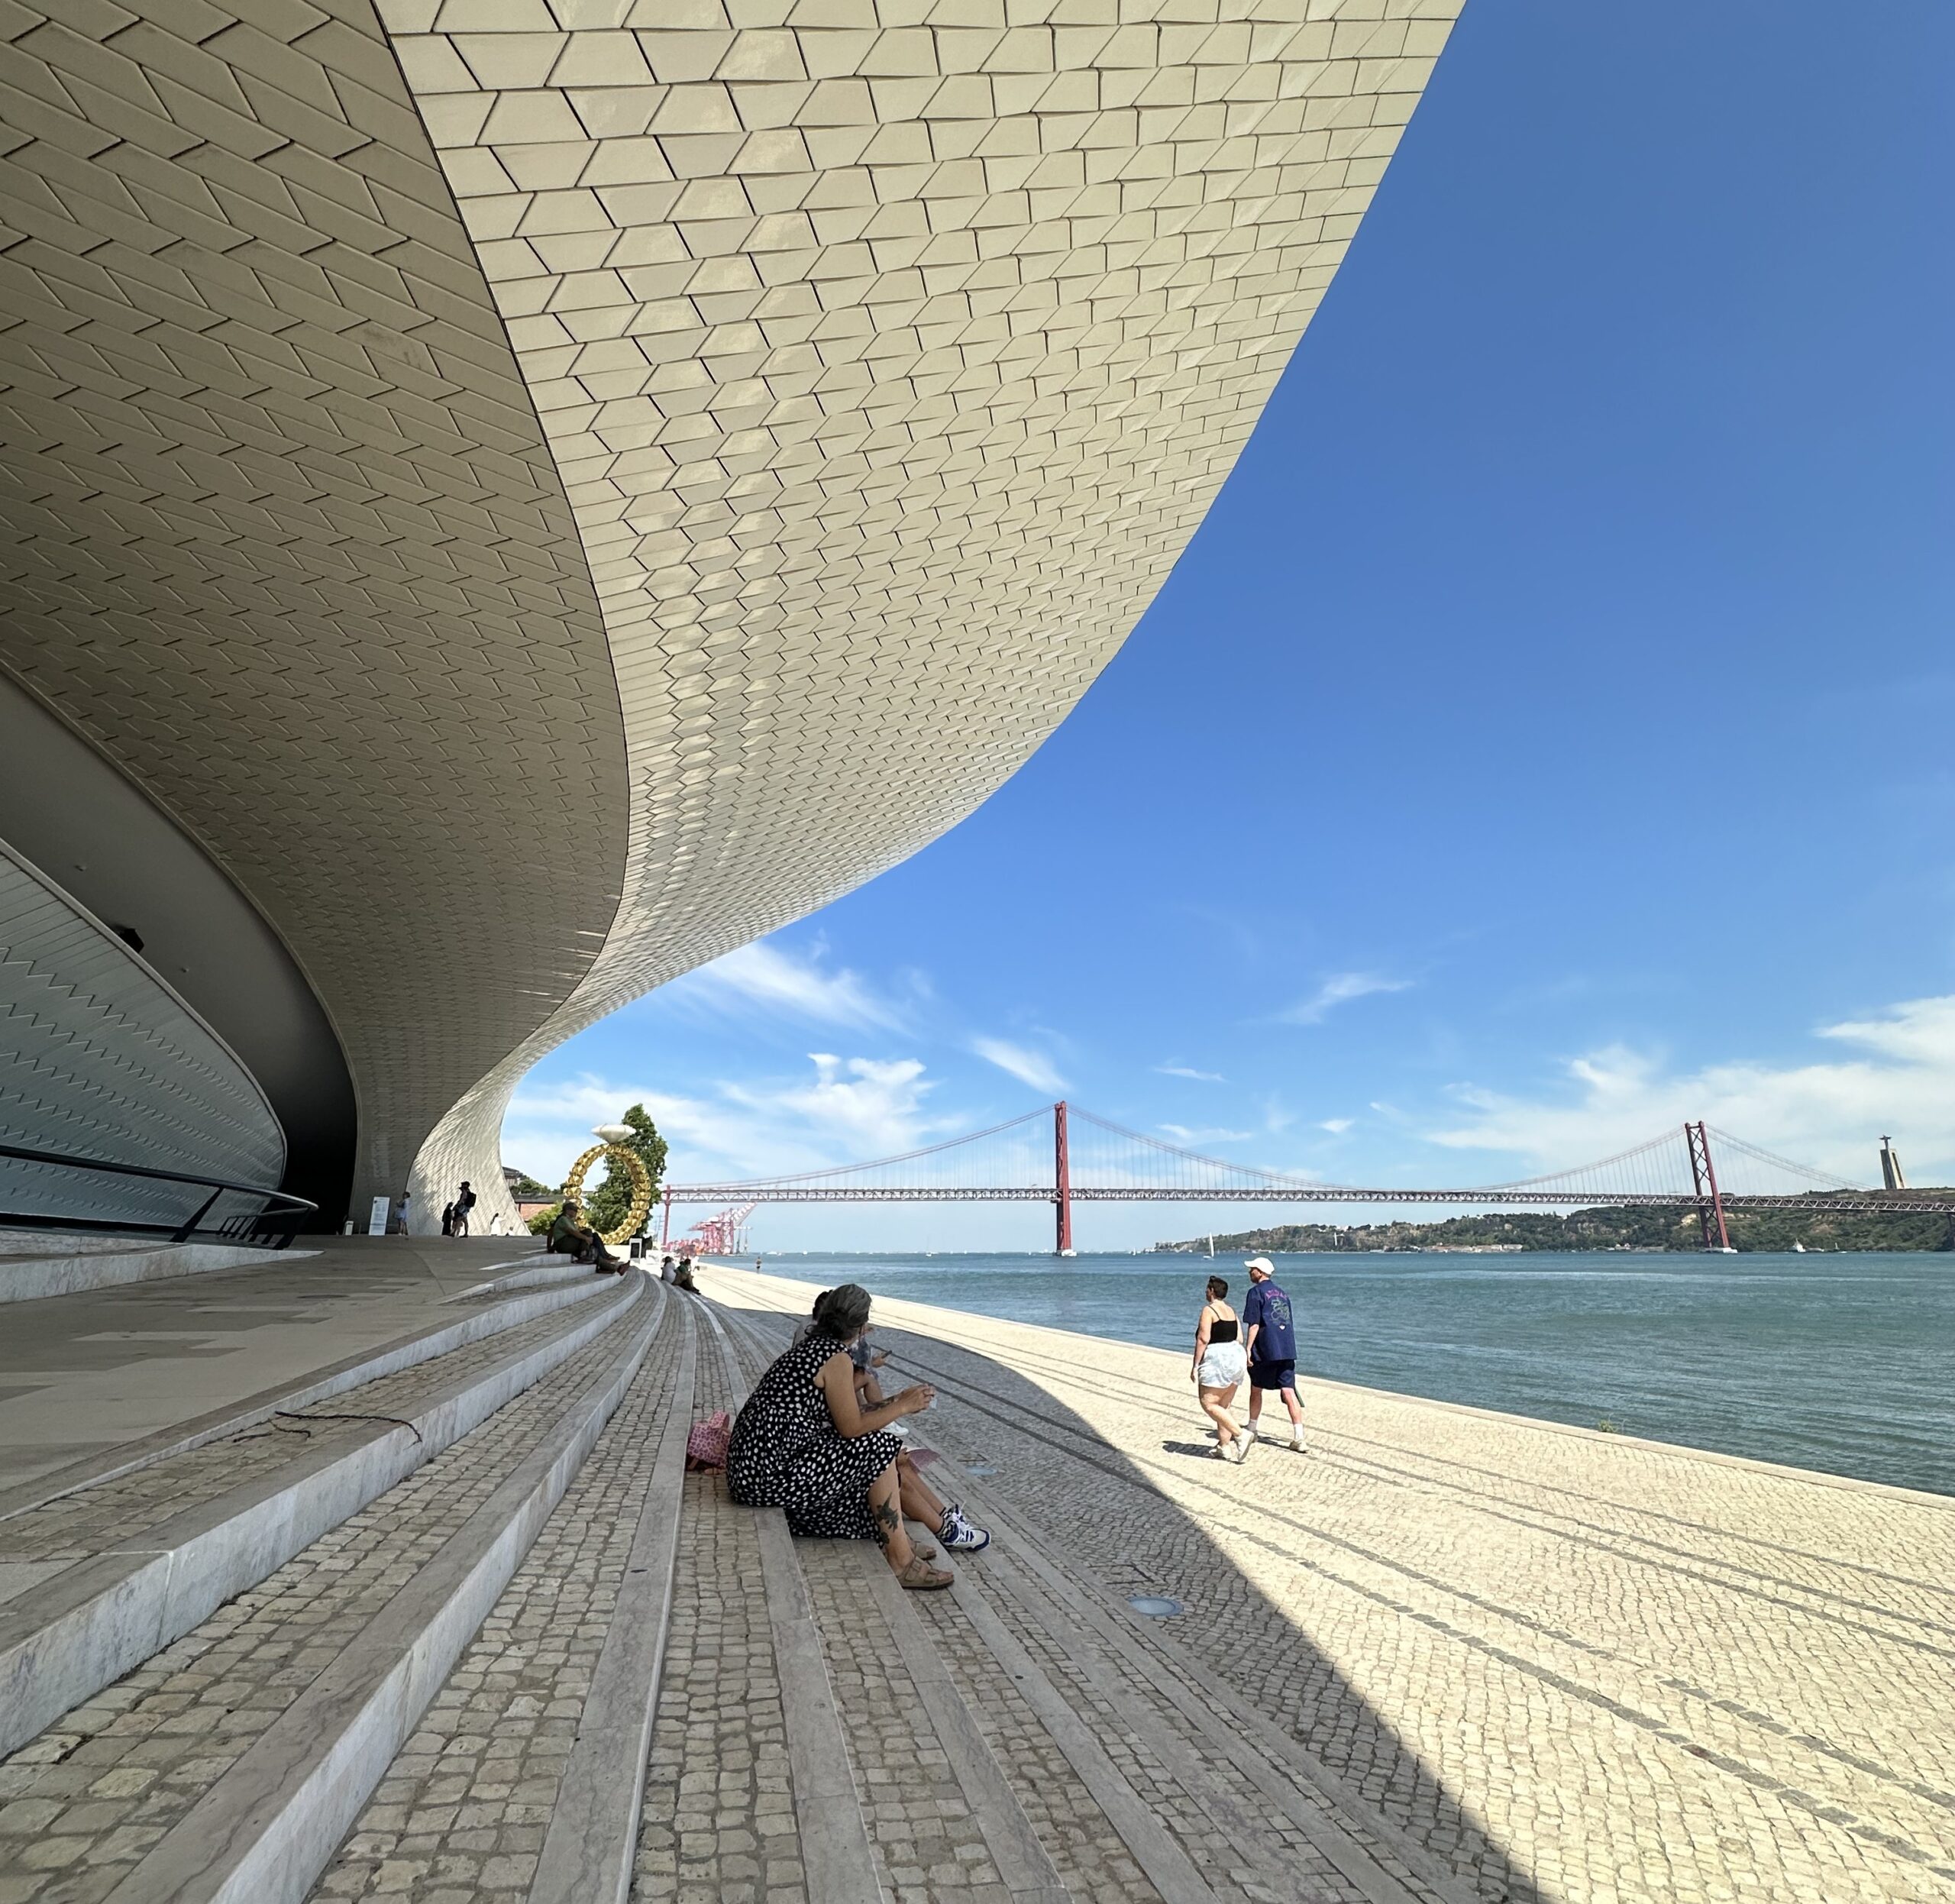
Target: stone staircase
[(453, 1625)]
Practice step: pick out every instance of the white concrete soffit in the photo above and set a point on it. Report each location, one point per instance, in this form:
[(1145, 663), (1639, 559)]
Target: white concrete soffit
[(891, 351), (280, 533)]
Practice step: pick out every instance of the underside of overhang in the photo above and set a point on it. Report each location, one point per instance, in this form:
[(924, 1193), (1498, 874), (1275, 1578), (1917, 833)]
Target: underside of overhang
[(545, 493)]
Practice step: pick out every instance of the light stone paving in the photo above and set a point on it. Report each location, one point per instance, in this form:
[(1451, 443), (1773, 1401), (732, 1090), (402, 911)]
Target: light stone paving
[(718, 1826), (1572, 1667), (114, 1513), (928, 1846), (83, 1803), (460, 1816)]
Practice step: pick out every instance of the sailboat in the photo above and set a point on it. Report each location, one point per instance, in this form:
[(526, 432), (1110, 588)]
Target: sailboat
[(1799, 1249), (1211, 1248)]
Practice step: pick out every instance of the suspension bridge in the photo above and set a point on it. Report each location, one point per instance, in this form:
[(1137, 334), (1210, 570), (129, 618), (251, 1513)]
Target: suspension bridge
[(1062, 1155)]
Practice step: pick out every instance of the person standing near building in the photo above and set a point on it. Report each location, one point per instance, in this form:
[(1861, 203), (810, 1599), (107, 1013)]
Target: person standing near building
[(1271, 1340), (404, 1196), (464, 1203)]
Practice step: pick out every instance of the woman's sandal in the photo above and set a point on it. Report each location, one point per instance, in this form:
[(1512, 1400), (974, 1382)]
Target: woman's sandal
[(920, 1577)]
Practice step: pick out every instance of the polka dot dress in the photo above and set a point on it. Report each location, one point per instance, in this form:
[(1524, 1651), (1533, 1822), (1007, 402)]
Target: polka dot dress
[(786, 1452)]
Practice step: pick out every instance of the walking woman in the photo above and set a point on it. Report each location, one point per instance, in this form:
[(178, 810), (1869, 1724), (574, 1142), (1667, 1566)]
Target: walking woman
[(1219, 1366), (803, 1441)]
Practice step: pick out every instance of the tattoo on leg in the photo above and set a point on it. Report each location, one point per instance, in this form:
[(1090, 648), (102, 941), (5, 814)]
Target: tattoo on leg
[(887, 1515)]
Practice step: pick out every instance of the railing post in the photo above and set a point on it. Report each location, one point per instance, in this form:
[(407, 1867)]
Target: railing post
[(665, 1220), (1061, 1181), (203, 1210)]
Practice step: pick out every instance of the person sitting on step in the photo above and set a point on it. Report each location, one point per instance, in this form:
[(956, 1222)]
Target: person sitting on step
[(802, 1443), (570, 1235)]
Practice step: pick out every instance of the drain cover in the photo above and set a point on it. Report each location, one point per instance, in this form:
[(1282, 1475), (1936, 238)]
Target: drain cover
[(1156, 1606)]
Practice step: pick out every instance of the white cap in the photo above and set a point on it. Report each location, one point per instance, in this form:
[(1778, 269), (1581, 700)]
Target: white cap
[(1263, 1263)]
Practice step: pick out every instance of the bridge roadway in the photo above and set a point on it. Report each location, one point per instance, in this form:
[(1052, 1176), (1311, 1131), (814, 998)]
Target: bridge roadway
[(1525, 1663), (1869, 1202)]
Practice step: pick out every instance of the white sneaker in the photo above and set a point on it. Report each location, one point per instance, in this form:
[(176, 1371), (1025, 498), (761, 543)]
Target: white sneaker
[(1238, 1449), (1296, 1441)]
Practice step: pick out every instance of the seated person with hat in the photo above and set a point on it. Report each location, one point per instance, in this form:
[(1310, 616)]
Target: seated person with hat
[(572, 1237)]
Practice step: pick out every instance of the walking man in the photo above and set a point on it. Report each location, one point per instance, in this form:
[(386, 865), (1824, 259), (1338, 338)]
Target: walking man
[(464, 1203), (1272, 1346)]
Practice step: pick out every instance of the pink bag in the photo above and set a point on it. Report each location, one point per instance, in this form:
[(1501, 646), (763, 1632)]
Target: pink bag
[(705, 1446)]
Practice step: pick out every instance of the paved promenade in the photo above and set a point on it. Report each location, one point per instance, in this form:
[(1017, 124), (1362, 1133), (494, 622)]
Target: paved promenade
[(1545, 1664)]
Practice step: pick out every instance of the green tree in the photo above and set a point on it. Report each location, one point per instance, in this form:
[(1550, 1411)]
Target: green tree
[(610, 1202)]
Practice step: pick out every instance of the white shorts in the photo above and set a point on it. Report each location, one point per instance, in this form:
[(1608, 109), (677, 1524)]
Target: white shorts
[(1223, 1366)]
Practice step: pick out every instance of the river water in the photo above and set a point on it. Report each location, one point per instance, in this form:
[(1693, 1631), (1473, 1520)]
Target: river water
[(1838, 1363)]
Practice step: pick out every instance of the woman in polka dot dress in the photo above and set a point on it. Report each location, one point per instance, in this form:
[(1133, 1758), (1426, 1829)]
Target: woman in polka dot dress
[(804, 1443)]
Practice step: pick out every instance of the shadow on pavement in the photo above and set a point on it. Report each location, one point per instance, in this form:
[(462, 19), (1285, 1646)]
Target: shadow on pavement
[(1133, 1539)]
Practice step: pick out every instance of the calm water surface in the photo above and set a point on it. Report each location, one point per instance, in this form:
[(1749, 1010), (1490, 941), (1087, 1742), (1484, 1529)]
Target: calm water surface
[(1840, 1363)]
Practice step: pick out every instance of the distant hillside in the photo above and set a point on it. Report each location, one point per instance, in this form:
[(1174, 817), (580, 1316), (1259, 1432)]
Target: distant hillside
[(1607, 1229)]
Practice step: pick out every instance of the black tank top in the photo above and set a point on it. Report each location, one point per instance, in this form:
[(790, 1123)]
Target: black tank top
[(1221, 1330)]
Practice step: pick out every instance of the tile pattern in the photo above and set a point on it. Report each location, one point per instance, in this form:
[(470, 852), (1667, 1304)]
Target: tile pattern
[(278, 531), (83, 1804), (100, 1058), (891, 350), (873, 361), (1569, 1667)]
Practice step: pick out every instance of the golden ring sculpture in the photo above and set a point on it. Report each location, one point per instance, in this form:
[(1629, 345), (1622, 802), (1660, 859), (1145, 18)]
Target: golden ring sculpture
[(633, 1165)]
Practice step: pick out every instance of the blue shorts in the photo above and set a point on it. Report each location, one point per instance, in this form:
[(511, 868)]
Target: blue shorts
[(1273, 1374)]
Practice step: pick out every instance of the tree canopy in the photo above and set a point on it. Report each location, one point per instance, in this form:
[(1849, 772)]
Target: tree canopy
[(610, 1202)]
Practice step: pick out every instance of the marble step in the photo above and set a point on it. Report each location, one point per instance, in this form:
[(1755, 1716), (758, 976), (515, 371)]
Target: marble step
[(497, 1307), (525, 1776), (127, 1567), (38, 1265), (231, 1764)]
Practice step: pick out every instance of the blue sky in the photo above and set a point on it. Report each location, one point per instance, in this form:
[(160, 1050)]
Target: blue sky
[(1548, 736)]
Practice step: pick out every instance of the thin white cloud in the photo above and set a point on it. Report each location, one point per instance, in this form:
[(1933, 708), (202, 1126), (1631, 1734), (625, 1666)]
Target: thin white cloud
[(1200, 1077), (1898, 1077), (1337, 1125), (850, 1110), (1182, 1134), (1028, 1066), (1340, 989), (789, 985)]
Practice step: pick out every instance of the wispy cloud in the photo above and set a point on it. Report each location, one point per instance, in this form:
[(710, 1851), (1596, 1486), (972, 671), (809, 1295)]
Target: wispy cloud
[(1028, 1066), (1340, 989), (1898, 1077), (1337, 1125), (770, 979), (849, 1109), (1182, 1134), (1200, 1077)]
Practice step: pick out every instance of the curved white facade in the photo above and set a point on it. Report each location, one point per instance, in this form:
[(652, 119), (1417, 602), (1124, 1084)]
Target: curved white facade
[(885, 357)]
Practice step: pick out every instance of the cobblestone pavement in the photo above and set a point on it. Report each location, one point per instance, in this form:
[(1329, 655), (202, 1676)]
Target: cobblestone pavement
[(114, 1512), (1570, 1666), (460, 1816), (84, 1801), (719, 1824)]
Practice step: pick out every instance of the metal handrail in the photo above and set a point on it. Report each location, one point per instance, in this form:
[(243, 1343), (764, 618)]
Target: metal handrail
[(298, 1208)]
